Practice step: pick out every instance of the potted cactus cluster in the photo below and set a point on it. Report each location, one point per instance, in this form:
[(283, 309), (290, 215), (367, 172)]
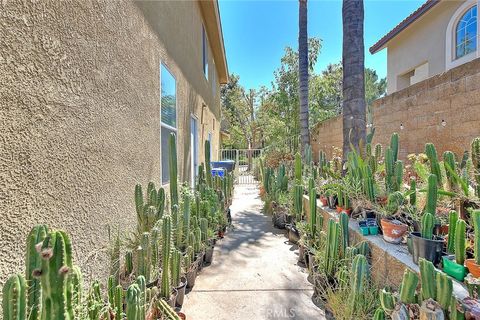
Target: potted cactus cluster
[(169, 246)]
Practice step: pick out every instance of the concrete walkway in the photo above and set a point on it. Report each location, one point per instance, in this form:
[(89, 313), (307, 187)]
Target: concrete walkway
[(254, 274)]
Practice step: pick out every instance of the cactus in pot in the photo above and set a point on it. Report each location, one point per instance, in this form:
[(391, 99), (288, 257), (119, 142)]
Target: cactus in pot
[(432, 195), (473, 265), (33, 262), (427, 226), (452, 223), (460, 231), (15, 298)]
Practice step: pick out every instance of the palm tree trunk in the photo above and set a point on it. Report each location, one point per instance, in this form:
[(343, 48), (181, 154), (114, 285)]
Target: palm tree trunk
[(303, 73), (354, 113)]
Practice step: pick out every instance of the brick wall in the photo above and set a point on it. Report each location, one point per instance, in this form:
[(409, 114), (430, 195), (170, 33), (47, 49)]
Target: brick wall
[(453, 96)]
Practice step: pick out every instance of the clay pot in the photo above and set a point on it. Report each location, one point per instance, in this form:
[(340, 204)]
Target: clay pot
[(348, 212), (393, 230), (182, 315), (339, 209), (473, 268)]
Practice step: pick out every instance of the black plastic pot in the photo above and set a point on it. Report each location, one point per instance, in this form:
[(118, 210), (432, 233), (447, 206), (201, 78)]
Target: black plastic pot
[(332, 202), (208, 257), (181, 292), (431, 250), (199, 261), (293, 234), (191, 276)]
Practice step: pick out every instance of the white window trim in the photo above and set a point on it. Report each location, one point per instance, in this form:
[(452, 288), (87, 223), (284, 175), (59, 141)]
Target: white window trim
[(205, 52), (161, 122), (451, 61)]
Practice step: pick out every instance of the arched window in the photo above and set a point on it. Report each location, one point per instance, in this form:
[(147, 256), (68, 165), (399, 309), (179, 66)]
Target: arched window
[(466, 33)]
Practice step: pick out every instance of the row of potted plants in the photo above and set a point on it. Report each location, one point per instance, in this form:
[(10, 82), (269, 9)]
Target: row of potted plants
[(149, 271)]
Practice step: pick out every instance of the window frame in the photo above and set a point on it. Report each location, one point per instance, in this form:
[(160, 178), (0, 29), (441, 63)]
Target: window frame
[(205, 52), (165, 125), (457, 24), (451, 60)]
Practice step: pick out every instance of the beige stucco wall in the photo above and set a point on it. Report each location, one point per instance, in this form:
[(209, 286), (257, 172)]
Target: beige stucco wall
[(423, 41), (80, 115), (453, 96)]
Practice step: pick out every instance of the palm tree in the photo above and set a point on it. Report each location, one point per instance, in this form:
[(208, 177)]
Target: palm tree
[(303, 73), (354, 107)]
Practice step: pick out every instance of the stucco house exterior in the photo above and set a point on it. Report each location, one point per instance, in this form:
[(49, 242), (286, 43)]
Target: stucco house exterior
[(89, 92), (433, 82), (437, 37)]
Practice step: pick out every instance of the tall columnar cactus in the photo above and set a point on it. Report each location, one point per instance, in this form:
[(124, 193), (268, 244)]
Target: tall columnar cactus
[(75, 287), (56, 253), (363, 248), (427, 276), (176, 267), (476, 164), (452, 224), (186, 218), (165, 290), (298, 201), (444, 289), (204, 229), (298, 168), (118, 302), (359, 279), (128, 262), (111, 290), (432, 195), (139, 199), (394, 146), (331, 253), (208, 167), (368, 184), (431, 153), (387, 301), (142, 285), (133, 302), (389, 169), (427, 225), (160, 203), (409, 286), (198, 240), (413, 192), (15, 298), (313, 210), (398, 176), (476, 228), (449, 164), (172, 167), (166, 311), (344, 240), (460, 232), (34, 262), (94, 301)]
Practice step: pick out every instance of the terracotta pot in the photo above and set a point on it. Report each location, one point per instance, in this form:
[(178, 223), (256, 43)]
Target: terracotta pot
[(339, 209), (473, 268), (393, 230), (382, 200), (182, 315)]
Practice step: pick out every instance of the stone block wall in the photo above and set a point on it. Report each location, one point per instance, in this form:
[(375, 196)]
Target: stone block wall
[(452, 97)]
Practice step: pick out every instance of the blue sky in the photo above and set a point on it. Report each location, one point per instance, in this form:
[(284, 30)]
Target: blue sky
[(256, 33)]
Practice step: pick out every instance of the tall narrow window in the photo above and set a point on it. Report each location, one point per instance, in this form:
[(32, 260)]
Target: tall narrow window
[(205, 52), (466, 33), (168, 96)]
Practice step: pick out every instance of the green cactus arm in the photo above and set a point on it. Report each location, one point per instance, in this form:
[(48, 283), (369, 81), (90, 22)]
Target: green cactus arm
[(427, 225), (173, 171), (432, 195), (298, 168), (408, 287), (387, 301), (133, 302), (460, 232), (444, 289), (344, 239), (33, 262), (431, 153), (14, 302), (139, 199), (476, 164), (427, 276), (476, 228), (359, 279), (394, 146), (379, 314), (452, 223)]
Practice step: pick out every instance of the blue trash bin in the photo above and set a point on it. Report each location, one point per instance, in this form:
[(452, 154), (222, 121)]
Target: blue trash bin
[(218, 172)]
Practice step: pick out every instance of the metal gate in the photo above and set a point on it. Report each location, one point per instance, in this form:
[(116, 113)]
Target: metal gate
[(246, 163)]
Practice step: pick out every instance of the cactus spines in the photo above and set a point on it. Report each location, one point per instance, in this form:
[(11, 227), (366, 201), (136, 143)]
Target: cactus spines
[(34, 262), (409, 286), (449, 164), (460, 231), (166, 311), (133, 302), (175, 267), (172, 167), (160, 203), (118, 302), (359, 279), (431, 153), (444, 289), (56, 253), (427, 225), (15, 298), (476, 229), (298, 168), (476, 164), (398, 175), (298, 203), (387, 301), (389, 169), (165, 290), (432, 195), (363, 248), (344, 239), (413, 191), (427, 276), (139, 199)]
